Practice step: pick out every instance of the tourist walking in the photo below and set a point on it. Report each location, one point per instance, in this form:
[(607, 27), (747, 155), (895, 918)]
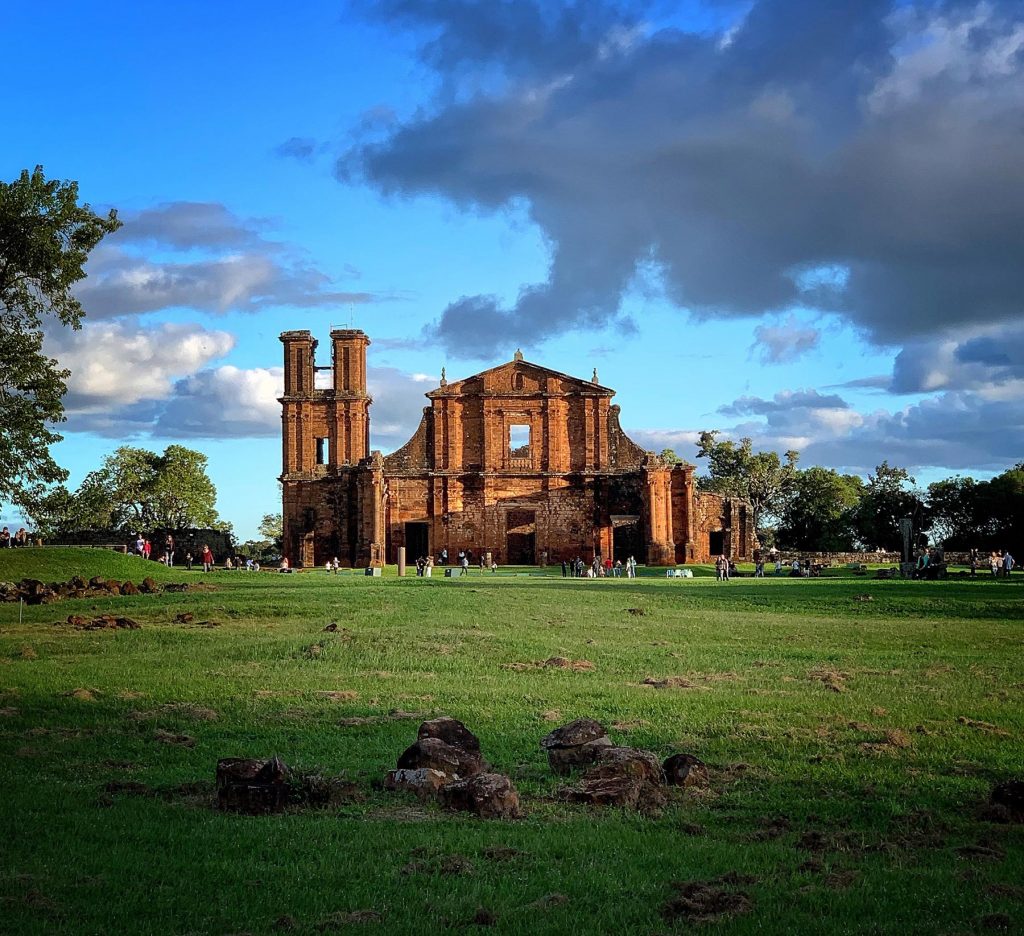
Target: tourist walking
[(1008, 564), (207, 558), (169, 550)]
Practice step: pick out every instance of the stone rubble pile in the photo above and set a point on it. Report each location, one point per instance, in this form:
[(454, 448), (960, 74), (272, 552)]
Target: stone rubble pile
[(616, 776), (445, 763), (34, 592)]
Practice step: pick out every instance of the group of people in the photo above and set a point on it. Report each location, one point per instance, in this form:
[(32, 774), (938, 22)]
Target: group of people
[(9, 541), (1000, 563), (598, 568)]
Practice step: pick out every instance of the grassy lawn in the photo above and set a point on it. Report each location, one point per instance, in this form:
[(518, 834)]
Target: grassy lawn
[(852, 745)]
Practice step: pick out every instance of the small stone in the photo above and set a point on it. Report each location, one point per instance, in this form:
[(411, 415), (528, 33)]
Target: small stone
[(424, 782), (563, 760), (252, 786), (487, 795), (573, 734), (437, 755), (625, 777), (685, 770), (451, 731)]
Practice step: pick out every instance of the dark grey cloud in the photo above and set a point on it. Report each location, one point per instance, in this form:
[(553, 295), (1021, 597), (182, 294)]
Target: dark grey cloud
[(210, 261), (876, 137), (979, 358)]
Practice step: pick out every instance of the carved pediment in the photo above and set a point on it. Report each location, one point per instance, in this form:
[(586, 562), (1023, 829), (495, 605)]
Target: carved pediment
[(520, 377)]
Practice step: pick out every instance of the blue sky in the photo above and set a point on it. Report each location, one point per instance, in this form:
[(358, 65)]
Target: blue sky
[(664, 192)]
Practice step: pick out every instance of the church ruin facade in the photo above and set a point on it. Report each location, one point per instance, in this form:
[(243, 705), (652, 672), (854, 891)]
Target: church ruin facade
[(520, 461)]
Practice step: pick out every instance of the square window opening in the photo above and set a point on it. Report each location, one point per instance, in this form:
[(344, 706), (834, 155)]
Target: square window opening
[(519, 441)]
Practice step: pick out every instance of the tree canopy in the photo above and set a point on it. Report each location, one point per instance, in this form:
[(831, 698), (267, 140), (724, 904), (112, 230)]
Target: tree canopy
[(735, 469), (818, 511), (45, 239), (888, 497), (135, 489)]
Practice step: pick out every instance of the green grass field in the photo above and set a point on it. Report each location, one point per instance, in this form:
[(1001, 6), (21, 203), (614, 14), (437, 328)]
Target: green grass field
[(852, 745)]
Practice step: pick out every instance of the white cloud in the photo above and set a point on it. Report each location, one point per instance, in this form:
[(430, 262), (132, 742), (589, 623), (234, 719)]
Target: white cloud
[(115, 364)]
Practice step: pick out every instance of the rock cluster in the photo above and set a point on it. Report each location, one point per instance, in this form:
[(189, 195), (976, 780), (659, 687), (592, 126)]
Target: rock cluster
[(103, 622), (256, 787), (617, 776), (445, 763), (34, 592)]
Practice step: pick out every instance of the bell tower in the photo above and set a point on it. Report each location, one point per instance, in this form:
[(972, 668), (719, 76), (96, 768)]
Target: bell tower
[(351, 401)]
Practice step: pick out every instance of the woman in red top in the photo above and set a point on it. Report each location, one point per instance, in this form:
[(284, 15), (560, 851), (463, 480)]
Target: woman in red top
[(207, 559)]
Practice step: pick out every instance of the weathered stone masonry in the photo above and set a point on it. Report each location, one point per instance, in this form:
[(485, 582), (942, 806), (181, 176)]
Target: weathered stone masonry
[(520, 461)]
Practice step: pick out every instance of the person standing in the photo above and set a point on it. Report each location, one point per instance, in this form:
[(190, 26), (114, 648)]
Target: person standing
[(1008, 564), (464, 564), (207, 558), (564, 569), (994, 562), (444, 556), (169, 550)]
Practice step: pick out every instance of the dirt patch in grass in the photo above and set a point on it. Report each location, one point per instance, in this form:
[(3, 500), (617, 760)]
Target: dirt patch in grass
[(628, 726), (426, 861), (551, 715), (548, 901), (337, 695), (708, 901), (82, 695), (771, 828), (892, 740), (393, 715), (187, 710), (832, 679), (9, 711), (556, 662), (841, 880), (983, 726), (669, 682), (981, 851), (1008, 891), (339, 921), (173, 738)]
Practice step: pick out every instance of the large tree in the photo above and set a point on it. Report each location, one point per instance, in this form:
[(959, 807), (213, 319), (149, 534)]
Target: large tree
[(735, 469), (818, 513), (135, 489), (45, 239), (888, 497)]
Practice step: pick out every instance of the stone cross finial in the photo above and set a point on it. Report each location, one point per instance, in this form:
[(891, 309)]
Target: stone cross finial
[(594, 378), (444, 380), (518, 356)]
